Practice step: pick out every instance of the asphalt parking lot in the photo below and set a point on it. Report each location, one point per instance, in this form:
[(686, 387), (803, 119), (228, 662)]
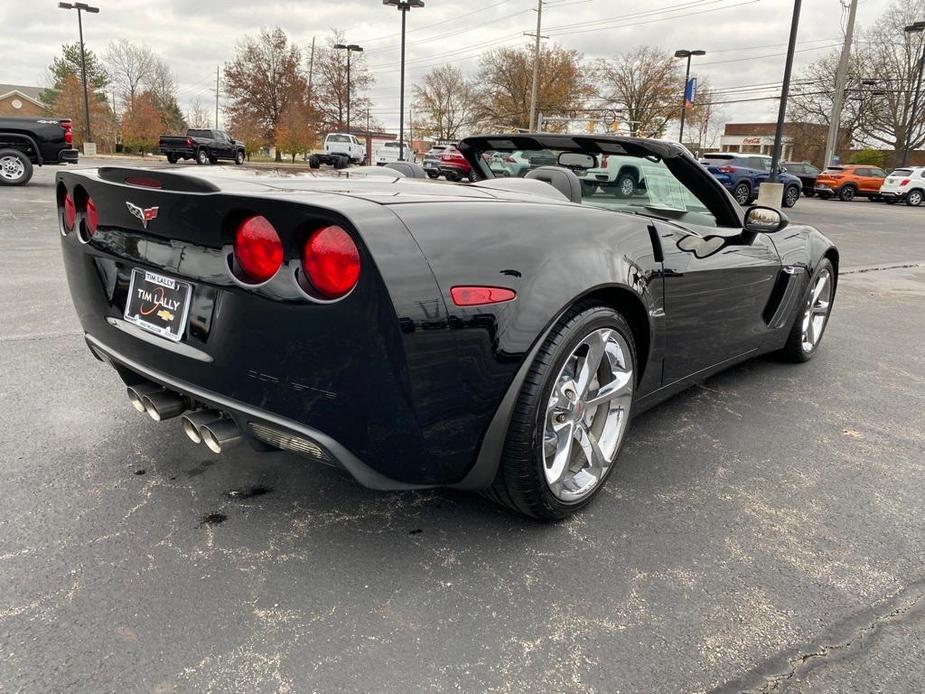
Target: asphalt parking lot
[(763, 531)]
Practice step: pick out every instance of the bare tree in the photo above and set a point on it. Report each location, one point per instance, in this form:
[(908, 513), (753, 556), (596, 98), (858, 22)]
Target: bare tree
[(444, 103), (329, 84), (198, 117), (161, 84), (647, 84), (130, 67), (505, 80), (703, 117), (263, 79)]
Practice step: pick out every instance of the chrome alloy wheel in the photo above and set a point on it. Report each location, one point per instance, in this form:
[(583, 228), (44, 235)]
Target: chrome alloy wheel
[(587, 414), (817, 311), (627, 187), (12, 168)]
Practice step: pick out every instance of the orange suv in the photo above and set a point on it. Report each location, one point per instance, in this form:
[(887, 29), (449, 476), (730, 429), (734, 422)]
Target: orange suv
[(850, 180)]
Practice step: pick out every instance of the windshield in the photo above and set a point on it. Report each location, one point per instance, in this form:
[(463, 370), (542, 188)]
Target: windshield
[(622, 182)]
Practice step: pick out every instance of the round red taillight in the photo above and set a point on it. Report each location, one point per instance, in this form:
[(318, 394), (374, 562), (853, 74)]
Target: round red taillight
[(332, 261), (70, 212), (92, 219), (257, 248)]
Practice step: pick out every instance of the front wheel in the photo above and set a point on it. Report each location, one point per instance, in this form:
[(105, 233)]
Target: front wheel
[(571, 416), (791, 195), (15, 168), (806, 334), (239, 157), (914, 198), (202, 157)]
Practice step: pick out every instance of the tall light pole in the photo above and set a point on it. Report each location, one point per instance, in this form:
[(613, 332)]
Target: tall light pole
[(82, 7), (350, 48), (916, 28), (785, 92), (687, 78), (403, 6)]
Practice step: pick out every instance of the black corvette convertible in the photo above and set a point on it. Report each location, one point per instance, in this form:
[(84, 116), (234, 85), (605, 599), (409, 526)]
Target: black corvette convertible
[(496, 336)]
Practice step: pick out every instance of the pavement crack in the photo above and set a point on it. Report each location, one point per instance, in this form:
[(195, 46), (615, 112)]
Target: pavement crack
[(879, 268), (776, 673)]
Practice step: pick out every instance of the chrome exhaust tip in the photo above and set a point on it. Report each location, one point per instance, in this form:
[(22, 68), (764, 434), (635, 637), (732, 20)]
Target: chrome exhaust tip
[(164, 405), (137, 393), (193, 421), (220, 435)]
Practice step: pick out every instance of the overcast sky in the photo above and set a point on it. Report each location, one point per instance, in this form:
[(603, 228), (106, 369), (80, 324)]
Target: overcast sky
[(745, 39)]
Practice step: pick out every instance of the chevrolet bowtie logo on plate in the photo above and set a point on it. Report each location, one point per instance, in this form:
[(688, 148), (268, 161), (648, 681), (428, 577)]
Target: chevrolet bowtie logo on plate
[(144, 214)]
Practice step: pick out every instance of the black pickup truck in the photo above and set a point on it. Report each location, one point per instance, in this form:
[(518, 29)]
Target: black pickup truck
[(29, 142), (205, 146)]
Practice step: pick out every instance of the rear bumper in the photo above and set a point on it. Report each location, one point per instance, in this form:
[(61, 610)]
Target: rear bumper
[(256, 425), (68, 156), (453, 170), (892, 195)]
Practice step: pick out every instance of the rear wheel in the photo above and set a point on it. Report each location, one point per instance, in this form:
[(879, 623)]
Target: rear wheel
[(914, 198), (314, 161), (742, 194), (809, 326), (571, 416), (626, 186), (173, 158), (202, 157), (433, 174), (847, 193), (15, 168), (791, 195)]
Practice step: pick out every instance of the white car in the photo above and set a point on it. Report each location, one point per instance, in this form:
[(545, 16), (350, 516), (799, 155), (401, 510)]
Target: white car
[(388, 152), (904, 184), (340, 150)]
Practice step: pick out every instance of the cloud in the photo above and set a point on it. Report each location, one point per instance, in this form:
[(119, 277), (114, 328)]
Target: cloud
[(196, 36)]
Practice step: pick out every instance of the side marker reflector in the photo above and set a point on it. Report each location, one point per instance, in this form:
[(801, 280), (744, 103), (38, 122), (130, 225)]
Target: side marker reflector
[(477, 296)]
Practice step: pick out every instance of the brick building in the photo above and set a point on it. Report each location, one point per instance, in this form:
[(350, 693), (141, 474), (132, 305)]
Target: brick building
[(801, 141), (22, 102)]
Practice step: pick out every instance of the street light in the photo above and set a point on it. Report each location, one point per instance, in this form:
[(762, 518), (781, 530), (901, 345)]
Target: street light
[(687, 77), (916, 28), (82, 7), (402, 6), (350, 48)]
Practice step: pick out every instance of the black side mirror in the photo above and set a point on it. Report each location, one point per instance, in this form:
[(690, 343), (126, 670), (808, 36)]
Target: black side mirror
[(764, 220)]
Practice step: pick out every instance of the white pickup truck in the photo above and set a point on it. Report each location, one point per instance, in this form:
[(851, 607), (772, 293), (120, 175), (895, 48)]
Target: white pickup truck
[(388, 152), (340, 150)]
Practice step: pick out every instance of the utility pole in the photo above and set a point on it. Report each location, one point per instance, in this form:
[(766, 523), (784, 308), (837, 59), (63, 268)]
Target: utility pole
[(311, 69), (536, 63), (216, 97), (831, 141)]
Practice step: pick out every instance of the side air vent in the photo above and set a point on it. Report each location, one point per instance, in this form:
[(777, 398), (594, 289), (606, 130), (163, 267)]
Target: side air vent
[(163, 180), (290, 441)]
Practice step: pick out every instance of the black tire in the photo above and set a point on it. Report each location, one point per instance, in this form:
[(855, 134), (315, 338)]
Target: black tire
[(314, 161), (793, 350), (914, 198), (847, 193), (341, 162), (433, 174), (520, 482), (454, 178), (15, 168), (202, 157), (742, 194), (588, 189), (626, 185), (791, 196), (173, 158), (239, 157)]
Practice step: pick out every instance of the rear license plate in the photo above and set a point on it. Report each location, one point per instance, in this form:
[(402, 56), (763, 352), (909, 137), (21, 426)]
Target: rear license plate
[(157, 303)]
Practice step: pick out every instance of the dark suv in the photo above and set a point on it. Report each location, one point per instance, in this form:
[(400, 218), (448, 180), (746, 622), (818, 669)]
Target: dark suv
[(28, 142), (806, 172), (742, 173)]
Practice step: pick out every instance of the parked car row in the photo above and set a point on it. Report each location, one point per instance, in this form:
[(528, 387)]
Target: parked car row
[(742, 174)]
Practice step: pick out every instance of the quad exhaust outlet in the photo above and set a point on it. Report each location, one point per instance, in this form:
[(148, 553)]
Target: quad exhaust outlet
[(194, 421), (164, 405), (220, 435)]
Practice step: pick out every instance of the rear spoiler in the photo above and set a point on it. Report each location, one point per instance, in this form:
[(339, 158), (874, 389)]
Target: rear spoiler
[(162, 180)]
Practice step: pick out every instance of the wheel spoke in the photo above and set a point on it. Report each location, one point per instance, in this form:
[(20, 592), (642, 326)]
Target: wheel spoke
[(563, 453), (821, 308), (596, 343), (620, 386), (592, 451), (820, 285)]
